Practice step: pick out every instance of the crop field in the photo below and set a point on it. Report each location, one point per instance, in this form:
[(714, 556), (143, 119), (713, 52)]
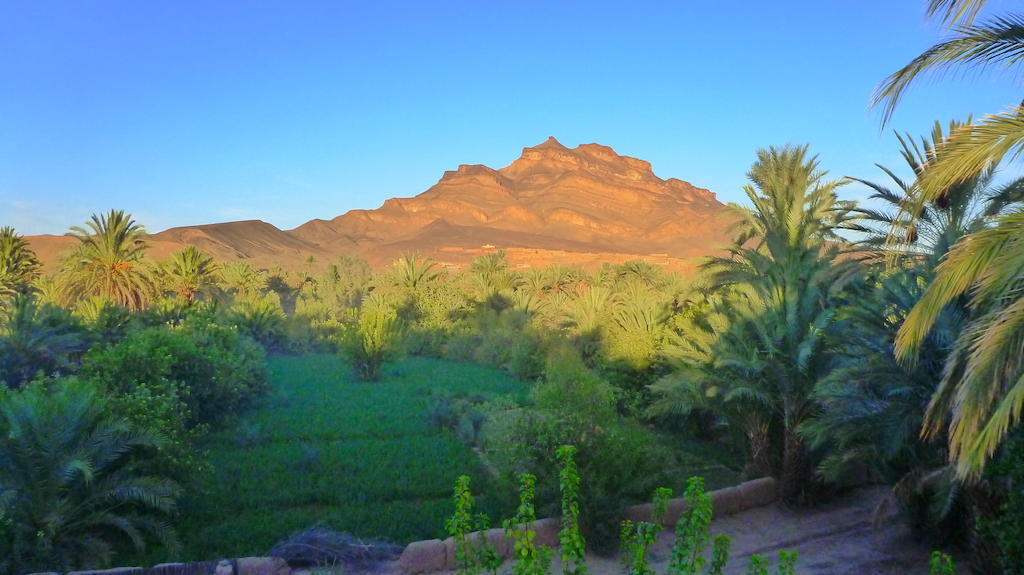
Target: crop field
[(360, 457)]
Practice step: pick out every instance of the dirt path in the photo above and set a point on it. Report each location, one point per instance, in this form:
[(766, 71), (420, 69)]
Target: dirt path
[(836, 539)]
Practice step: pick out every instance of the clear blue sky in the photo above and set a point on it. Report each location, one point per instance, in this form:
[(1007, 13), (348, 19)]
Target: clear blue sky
[(195, 112)]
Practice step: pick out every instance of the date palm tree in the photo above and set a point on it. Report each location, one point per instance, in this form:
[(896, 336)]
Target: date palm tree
[(925, 231), (190, 273), (18, 263), (71, 482), (37, 338), (412, 271), (981, 396), (786, 260), (108, 261)]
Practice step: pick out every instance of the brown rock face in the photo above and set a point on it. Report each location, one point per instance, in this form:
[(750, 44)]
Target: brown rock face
[(553, 205), (585, 204)]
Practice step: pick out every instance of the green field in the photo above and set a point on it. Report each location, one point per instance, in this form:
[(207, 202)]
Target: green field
[(358, 456)]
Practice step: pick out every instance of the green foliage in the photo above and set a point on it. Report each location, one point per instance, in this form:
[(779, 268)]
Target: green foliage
[(472, 554), (692, 531), (1007, 528), (572, 545), (636, 538), (19, 265), (190, 274), (38, 339), (719, 554), (373, 340), (530, 559), (215, 371), (73, 490), (941, 564), (620, 458), (108, 261), (787, 562), (758, 565)]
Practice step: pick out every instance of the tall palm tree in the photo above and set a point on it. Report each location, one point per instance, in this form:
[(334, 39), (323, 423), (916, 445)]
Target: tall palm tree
[(241, 279), (190, 273), (109, 261), (72, 483), (412, 270), (18, 263), (981, 395), (906, 226), (785, 259)]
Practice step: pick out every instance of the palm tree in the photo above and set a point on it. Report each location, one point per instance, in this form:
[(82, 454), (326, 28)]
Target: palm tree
[(907, 226), (72, 483), (109, 262), (785, 260), (411, 271), (190, 273), (18, 263), (241, 279), (981, 395), (37, 339)]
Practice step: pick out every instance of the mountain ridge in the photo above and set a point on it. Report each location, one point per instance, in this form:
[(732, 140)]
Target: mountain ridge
[(586, 204)]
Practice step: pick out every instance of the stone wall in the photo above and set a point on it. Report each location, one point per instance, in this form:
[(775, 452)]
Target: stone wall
[(243, 566), (437, 555)]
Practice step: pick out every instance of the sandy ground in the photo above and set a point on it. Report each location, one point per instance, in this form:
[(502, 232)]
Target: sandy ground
[(840, 538)]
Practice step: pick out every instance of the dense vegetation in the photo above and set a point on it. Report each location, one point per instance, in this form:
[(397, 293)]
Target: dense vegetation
[(833, 343)]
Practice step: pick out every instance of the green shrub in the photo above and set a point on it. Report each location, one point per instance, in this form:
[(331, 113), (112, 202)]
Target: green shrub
[(618, 457), (373, 340), (179, 382), (214, 370)]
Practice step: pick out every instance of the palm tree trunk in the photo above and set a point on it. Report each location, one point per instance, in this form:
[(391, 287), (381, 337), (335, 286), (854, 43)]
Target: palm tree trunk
[(795, 466), (760, 449)]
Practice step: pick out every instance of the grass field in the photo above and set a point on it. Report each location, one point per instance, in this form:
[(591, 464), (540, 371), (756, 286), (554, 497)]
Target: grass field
[(359, 456)]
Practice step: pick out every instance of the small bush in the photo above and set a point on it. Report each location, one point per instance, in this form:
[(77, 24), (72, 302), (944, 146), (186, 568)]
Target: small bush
[(373, 340)]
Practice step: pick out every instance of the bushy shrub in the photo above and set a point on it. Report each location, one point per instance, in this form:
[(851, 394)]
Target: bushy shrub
[(373, 339), (215, 371), (262, 318), (178, 381), (619, 458)]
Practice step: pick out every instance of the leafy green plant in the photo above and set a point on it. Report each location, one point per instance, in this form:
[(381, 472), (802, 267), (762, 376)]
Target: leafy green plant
[(787, 562), (941, 564), (692, 531), (758, 565), (531, 559), (719, 554), (573, 552), (472, 554), (638, 537)]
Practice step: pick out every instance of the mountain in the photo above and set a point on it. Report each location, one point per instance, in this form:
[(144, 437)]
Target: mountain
[(554, 204)]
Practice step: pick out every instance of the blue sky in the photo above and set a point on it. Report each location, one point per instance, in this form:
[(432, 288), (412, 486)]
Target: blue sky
[(196, 112)]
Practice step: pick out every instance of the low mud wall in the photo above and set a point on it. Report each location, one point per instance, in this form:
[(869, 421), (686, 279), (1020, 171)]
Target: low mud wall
[(437, 555), (243, 566)]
